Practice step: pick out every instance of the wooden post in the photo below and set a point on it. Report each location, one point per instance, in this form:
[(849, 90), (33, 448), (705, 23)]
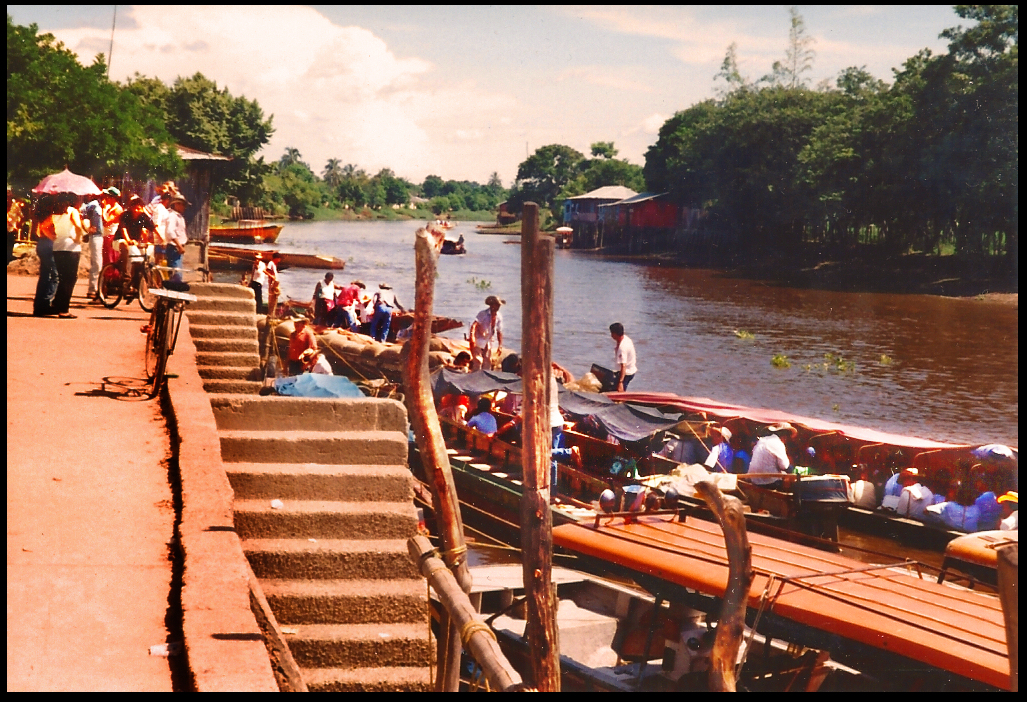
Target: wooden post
[(731, 627), (428, 435), (536, 519), (1008, 584)]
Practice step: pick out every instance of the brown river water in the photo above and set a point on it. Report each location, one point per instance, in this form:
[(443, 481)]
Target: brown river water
[(933, 367)]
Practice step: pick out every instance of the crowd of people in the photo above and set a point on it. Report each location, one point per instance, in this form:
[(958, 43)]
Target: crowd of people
[(111, 227)]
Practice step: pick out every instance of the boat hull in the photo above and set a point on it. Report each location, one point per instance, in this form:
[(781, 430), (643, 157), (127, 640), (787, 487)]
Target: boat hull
[(256, 234)]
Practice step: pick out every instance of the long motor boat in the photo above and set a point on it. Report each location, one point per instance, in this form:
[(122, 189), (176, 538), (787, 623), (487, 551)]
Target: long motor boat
[(887, 621), (246, 232), (229, 257), (866, 454)]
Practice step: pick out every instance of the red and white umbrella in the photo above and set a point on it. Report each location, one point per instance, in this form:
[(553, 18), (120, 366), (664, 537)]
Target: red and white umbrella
[(67, 182)]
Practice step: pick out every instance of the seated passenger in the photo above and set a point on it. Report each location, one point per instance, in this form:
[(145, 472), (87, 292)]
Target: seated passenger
[(454, 407), (722, 456), (483, 420), (770, 456), (1010, 512)]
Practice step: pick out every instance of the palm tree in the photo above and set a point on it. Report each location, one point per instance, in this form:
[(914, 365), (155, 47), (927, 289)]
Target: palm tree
[(290, 157), (333, 173)]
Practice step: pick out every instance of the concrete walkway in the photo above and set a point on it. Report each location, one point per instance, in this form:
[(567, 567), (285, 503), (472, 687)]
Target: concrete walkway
[(91, 529), (89, 506)]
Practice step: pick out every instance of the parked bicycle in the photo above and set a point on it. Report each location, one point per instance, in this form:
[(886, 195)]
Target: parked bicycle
[(162, 334), (115, 284)]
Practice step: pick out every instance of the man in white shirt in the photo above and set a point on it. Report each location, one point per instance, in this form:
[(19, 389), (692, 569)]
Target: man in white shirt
[(770, 456), (175, 234), (487, 334), (624, 356)]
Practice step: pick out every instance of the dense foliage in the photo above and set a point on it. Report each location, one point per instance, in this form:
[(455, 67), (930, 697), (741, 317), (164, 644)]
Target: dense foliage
[(60, 113), (928, 163), (556, 172)]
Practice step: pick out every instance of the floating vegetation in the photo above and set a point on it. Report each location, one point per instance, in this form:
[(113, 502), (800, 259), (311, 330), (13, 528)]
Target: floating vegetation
[(838, 363), (835, 407), (480, 284), (742, 334), (780, 361), (885, 360)]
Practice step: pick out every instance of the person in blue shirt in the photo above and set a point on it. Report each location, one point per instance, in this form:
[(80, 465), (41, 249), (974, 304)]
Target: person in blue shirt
[(483, 420)]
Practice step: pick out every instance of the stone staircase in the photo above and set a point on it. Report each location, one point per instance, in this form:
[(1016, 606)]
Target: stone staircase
[(223, 324), (331, 555)]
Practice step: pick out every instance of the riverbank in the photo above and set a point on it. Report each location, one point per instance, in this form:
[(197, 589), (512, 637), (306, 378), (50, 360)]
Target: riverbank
[(986, 279)]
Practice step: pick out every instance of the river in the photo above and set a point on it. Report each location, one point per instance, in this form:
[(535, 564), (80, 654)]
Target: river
[(926, 366)]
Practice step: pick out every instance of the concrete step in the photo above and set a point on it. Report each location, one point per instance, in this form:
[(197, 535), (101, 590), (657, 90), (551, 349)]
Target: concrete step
[(225, 304), (221, 290), (340, 447), (223, 319), (310, 414), (228, 372), (257, 519), (346, 601), (213, 331), (329, 559), (358, 645), (209, 345), (394, 679), (233, 387), (228, 358), (306, 481)]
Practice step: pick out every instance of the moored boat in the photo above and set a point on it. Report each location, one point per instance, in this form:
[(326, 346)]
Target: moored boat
[(246, 231), (226, 257), (886, 621), (605, 627)]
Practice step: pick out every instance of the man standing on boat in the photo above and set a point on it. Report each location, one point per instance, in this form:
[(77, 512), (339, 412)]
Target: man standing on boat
[(384, 301), (624, 356), (487, 334)]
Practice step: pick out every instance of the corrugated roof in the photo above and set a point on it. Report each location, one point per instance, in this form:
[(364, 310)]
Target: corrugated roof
[(641, 197), (607, 192), (187, 154)]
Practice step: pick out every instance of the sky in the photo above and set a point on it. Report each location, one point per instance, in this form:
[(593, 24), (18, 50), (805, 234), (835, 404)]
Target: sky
[(465, 91)]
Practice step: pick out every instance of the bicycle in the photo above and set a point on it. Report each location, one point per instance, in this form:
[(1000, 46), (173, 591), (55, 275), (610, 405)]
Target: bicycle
[(115, 284), (162, 334)]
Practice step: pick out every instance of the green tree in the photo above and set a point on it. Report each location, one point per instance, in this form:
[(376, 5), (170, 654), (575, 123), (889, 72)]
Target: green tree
[(60, 113), (333, 174), (542, 176), (798, 56)]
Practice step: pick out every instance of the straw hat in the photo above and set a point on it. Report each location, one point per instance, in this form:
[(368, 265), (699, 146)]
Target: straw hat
[(782, 428), (493, 300)]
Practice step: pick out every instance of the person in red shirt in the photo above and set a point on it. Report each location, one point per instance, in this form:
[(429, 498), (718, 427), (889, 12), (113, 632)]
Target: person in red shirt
[(299, 341)]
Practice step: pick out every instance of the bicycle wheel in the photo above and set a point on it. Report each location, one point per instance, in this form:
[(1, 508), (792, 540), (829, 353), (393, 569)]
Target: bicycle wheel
[(111, 286), (153, 341), (149, 281), (162, 346)]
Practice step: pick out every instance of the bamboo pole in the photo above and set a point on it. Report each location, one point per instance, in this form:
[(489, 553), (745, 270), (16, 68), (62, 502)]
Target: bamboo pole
[(731, 626), (537, 443), (476, 636), (428, 435)]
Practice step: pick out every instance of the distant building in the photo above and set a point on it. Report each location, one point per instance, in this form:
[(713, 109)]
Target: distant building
[(504, 215), (581, 213)]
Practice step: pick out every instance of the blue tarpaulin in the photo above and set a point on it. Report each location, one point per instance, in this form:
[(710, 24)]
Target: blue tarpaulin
[(317, 385)]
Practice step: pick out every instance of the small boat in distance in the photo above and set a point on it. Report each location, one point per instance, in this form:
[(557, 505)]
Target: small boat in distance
[(246, 231), (246, 225)]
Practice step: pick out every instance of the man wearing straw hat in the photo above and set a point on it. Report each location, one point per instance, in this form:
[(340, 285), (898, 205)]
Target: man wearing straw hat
[(175, 234), (487, 334), (770, 455)]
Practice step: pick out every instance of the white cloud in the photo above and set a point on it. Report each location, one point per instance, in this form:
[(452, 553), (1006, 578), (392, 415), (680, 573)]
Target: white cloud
[(652, 123), (335, 92)]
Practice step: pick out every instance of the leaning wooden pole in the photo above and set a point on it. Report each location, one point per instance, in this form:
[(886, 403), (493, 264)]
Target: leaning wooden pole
[(731, 628), (428, 435), (478, 638), (536, 519)]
